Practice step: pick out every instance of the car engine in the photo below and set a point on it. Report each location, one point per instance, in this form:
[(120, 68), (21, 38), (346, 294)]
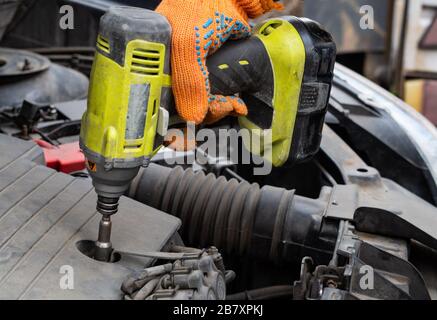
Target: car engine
[(357, 221)]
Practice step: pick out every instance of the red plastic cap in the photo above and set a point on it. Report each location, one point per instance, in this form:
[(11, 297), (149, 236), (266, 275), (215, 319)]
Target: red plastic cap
[(65, 158)]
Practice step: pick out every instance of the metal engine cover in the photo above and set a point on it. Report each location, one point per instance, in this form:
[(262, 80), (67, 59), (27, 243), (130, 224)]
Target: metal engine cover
[(43, 216)]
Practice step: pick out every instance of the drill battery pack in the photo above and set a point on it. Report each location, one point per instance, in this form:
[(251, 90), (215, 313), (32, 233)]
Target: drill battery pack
[(284, 75)]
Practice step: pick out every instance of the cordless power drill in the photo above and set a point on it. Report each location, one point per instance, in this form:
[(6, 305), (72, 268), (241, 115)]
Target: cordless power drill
[(283, 72)]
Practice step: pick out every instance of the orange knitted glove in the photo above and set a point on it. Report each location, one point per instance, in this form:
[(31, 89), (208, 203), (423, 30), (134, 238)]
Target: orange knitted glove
[(201, 27)]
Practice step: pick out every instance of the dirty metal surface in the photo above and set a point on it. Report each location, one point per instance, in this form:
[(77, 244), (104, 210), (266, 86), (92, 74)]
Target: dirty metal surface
[(43, 214)]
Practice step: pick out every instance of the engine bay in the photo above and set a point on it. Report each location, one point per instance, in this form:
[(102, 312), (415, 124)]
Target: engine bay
[(307, 244), (356, 220)]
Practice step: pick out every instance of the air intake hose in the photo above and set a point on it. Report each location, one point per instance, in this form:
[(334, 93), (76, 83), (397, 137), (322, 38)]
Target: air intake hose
[(237, 217)]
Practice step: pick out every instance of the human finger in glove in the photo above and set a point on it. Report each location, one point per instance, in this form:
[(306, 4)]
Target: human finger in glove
[(200, 28)]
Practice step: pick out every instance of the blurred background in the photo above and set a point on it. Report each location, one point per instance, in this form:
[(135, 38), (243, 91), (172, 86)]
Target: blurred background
[(399, 51)]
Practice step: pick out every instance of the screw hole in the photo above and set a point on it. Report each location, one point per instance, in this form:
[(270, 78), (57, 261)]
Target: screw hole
[(88, 247)]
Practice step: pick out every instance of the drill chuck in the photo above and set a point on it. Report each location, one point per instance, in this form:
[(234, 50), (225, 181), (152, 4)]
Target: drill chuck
[(107, 206)]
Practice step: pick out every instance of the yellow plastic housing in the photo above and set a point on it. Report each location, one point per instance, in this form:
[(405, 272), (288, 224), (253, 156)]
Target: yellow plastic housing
[(281, 39), (104, 123)]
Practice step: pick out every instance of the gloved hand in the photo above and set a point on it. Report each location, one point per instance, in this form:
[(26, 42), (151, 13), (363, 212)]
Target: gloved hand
[(201, 27)]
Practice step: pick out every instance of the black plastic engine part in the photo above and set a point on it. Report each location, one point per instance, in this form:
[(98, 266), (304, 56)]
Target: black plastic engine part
[(267, 293), (7, 11), (239, 218), (379, 139), (29, 76), (393, 277)]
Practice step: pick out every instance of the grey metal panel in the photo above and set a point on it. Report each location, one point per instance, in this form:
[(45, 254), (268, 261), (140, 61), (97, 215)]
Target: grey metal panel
[(17, 239), (30, 206), (12, 173), (135, 230), (43, 214), (12, 149), (21, 187)]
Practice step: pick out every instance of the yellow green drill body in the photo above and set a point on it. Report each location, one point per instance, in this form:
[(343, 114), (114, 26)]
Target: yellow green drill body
[(120, 129)]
